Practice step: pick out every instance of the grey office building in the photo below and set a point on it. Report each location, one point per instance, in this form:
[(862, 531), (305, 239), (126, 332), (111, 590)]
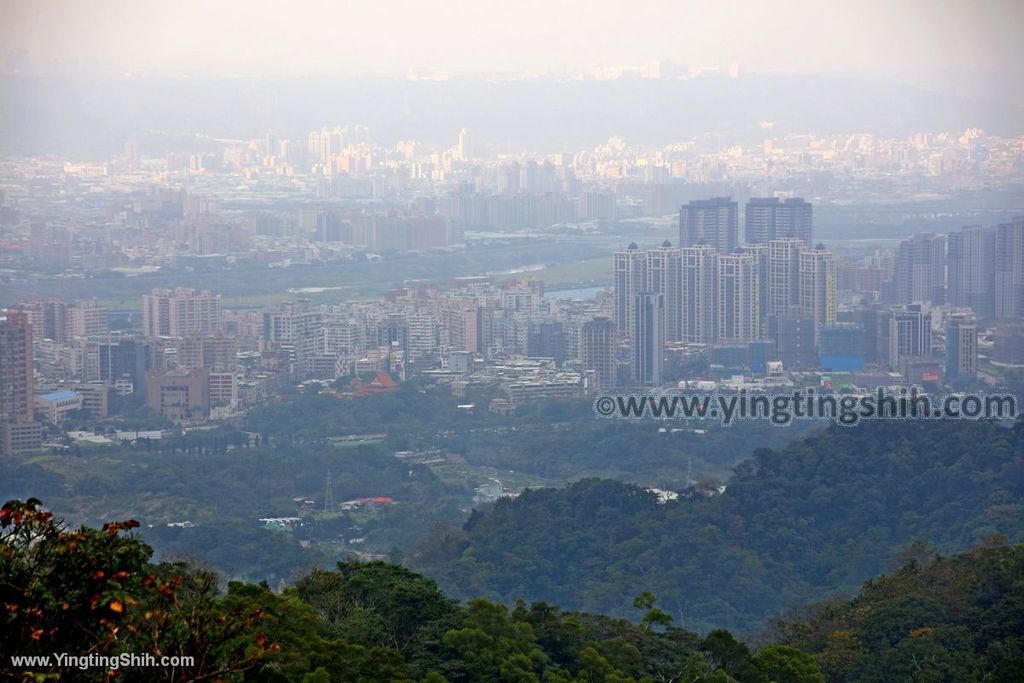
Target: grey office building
[(710, 221), (971, 262), (649, 343), (771, 218)]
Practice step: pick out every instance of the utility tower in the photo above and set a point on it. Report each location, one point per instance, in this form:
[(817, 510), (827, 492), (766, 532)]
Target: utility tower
[(328, 494)]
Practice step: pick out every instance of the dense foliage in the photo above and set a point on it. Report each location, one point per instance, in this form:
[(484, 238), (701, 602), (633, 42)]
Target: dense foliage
[(224, 480), (87, 591), (935, 619), (225, 494), (93, 591), (556, 441), (794, 526)]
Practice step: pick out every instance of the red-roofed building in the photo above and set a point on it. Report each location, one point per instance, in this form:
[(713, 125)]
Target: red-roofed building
[(380, 384)]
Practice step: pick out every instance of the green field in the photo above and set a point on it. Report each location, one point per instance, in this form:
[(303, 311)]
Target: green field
[(251, 285), (577, 272)]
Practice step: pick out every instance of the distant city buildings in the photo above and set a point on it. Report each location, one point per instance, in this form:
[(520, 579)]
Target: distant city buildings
[(961, 347), (971, 259), (920, 270), (630, 278), (179, 394), (649, 343), (908, 331), (783, 276), (817, 289), (63, 322), (780, 289), (714, 222), (1009, 269), (704, 305), (19, 431), (179, 312), (697, 294), (737, 292), (771, 218), (597, 353)]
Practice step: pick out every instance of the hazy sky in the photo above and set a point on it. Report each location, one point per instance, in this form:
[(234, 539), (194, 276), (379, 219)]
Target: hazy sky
[(265, 37)]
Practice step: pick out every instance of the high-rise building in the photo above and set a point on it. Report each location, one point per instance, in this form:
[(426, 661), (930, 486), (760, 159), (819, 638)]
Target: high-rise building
[(464, 150), (179, 312), (630, 278), (86, 319), (217, 354), (961, 347), (697, 295), (45, 317), (909, 334), (771, 218), (794, 217), (64, 322), (295, 327), (759, 252), (920, 270), (874, 318), (122, 359), (817, 288), (424, 334), (393, 333), (795, 343), (710, 221), (783, 276), (19, 432), (16, 369), (597, 206), (597, 352), (464, 326), (737, 308), (1009, 270), (546, 339), (759, 220), (664, 270), (971, 268), (649, 343)]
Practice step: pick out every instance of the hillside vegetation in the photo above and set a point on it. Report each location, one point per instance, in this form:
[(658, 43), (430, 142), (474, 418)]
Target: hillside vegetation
[(795, 525)]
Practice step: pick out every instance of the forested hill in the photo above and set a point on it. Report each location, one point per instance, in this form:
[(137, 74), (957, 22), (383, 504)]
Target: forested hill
[(95, 591), (955, 618), (795, 525)]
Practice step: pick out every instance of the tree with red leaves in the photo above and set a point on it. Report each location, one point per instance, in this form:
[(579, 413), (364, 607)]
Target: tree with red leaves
[(90, 591)]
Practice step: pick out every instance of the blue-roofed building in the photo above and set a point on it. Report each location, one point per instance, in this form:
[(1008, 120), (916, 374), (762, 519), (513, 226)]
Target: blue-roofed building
[(52, 407)]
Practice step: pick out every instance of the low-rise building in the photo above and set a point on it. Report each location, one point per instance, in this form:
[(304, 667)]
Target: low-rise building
[(54, 406), (179, 394)]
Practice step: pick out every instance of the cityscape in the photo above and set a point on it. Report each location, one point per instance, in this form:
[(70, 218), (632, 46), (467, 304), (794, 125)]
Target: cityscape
[(475, 341), (758, 308)]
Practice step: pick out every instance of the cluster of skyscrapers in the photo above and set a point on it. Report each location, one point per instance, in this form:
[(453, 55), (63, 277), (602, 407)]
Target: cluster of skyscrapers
[(775, 296), (773, 303), (713, 290)]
